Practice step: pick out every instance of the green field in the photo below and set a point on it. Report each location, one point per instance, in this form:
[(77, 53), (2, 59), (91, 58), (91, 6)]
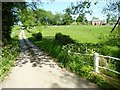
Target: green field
[(80, 33)]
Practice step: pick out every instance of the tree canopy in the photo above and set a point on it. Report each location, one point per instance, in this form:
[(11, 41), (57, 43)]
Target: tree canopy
[(112, 8), (81, 19), (10, 14)]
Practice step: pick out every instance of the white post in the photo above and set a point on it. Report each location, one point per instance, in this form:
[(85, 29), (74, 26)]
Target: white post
[(96, 62)]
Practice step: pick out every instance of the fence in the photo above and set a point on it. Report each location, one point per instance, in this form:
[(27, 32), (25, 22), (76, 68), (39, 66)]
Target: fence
[(96, 61)]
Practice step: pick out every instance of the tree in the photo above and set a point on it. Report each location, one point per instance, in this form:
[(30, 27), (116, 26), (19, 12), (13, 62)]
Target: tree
[(27, 17), (68, 10), (67, 17), (58, 19), (108, 18), (9, 16), (113, 19), (50, 17), (113, 7), (8, 19), (43, 16), (81, 7), (82, 19)]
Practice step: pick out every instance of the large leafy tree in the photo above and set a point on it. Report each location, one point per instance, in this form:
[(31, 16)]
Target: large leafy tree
[(27, 17), (81, 19), (7, 20), (58, 19), (67, 16), (49, 16), (67, 19), (43, 16), (10, 15), (31, 15)]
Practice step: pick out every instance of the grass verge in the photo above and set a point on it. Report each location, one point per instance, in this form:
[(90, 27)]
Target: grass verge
[(9, 54), (74, 63)]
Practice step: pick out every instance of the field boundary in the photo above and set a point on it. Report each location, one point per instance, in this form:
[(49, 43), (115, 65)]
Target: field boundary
[(96, 59)]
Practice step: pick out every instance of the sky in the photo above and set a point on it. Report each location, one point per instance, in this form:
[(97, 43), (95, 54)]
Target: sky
[(60, 5)]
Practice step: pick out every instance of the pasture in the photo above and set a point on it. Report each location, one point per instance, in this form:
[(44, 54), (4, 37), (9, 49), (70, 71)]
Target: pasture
[(80, 33)]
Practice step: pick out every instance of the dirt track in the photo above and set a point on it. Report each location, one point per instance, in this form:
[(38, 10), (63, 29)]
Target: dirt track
[(40, 71)]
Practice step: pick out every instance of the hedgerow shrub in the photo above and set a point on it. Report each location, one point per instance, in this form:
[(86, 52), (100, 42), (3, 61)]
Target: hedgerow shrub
[(37, 36), (63, 39), (115, 52), (85, 70), (8, 56), (111, 50)]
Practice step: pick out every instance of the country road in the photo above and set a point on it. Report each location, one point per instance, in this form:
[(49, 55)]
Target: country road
[(40, 71)]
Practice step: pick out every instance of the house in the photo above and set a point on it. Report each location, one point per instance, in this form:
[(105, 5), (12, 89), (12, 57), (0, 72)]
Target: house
[(96, 22)]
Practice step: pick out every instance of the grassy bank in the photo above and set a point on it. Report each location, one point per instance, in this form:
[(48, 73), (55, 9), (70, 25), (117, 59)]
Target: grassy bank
[(9, 53)]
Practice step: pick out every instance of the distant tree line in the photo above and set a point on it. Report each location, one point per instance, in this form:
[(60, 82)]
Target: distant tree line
[(31, 18)]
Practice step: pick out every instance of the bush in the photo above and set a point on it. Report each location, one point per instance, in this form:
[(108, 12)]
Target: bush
[(111, 50), (8, 56), (85, 70), (63, 39), (37, 36)]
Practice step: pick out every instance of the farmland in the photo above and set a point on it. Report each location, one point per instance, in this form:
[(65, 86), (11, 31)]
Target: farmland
[(80, 33)]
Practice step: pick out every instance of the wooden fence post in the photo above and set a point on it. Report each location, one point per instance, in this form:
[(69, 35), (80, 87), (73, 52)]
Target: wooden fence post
[(96, 62)]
